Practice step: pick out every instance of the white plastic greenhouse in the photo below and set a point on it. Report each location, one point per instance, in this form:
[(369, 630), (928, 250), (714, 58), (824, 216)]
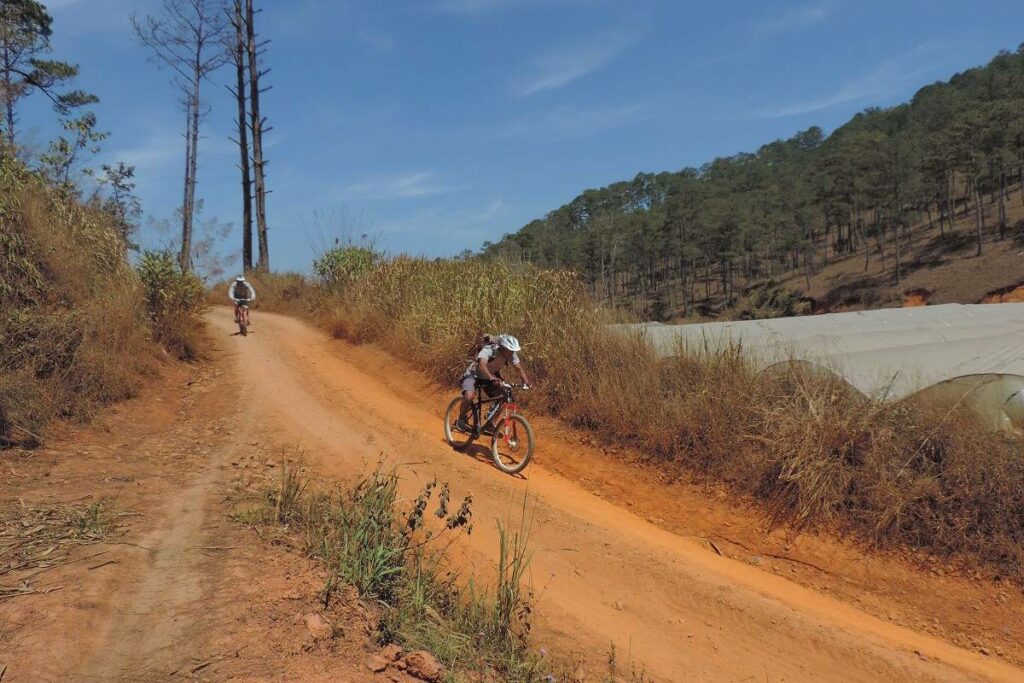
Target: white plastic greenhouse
[(973, 353)]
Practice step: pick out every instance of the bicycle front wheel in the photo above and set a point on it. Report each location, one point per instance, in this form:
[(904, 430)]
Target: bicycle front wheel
[(455, 437), (512, 444)]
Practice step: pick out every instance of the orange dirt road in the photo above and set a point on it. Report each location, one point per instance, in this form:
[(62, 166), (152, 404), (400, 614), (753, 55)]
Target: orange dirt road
[(603, 575)]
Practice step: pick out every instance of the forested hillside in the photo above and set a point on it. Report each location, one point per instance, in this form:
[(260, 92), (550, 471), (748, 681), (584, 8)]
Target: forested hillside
[(887, 191)]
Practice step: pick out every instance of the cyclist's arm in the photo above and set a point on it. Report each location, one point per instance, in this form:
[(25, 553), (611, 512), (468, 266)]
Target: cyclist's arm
[(231, 294), (252, 292), (522, 373), (483, 370)]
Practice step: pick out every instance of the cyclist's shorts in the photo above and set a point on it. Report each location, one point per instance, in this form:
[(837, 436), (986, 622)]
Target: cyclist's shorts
[(469, 384)]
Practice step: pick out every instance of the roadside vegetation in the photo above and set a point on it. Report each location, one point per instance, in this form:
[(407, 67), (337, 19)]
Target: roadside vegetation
[(395, 556), (814, 453), (75, 332)]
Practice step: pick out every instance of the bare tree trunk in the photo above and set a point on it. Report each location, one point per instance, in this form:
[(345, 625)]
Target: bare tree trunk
[(193, 165), (256, 127), (189, 38), (977, 217), (8, 86), (1002, 203), (239, 54), (184, 258)]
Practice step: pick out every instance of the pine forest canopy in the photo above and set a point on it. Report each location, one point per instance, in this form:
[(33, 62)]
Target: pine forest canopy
[(796, 204)]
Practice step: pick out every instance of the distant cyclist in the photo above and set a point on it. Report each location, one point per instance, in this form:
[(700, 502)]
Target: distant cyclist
[(241, 293), (486, 369)]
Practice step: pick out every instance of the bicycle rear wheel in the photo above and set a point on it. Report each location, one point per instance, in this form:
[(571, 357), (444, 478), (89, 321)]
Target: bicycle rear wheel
[(456, 438), (512, 444)]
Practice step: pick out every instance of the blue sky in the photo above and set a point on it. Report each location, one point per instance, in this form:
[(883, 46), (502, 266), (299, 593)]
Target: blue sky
[(435, 125)]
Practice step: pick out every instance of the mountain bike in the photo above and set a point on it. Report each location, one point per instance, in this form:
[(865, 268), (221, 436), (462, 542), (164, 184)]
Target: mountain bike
[(511, 435), (242, 316)]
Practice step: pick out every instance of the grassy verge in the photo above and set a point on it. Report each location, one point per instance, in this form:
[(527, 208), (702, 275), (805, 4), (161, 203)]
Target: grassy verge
[(74, 333), (395, 556), (926, 477)]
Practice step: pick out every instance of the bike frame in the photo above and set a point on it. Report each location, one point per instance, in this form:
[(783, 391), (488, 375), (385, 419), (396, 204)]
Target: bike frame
[(508, 406), (242, 309)]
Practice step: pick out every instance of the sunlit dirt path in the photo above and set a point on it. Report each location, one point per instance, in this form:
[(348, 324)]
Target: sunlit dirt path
[(603, 575)]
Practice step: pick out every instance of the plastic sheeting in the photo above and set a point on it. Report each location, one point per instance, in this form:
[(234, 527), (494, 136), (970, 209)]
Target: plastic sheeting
[(968, 353)]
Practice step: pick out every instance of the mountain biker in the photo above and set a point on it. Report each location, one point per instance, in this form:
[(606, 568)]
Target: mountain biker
[(241, 293), (486, 369)]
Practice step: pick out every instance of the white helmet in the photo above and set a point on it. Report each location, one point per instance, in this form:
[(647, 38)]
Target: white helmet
[(240, 278), (507, 341)]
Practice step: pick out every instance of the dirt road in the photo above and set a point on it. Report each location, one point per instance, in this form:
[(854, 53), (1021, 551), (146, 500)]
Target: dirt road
[(182, 591), (604, 575)]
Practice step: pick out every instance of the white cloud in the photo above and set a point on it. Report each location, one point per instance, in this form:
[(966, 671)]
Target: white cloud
[(561, 67), (884, 80), (570, 121), (797, 17), (399, 186), (381, 43), (158, 151), (464, 226)]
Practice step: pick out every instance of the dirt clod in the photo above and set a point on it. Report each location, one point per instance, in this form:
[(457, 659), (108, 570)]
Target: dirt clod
[(391, 652), (318, 627), (378, 664), (422, 665)]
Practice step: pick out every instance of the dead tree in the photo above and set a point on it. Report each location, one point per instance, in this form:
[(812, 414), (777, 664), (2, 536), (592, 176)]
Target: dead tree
[(188, 38), (257, 127), (239, 51)]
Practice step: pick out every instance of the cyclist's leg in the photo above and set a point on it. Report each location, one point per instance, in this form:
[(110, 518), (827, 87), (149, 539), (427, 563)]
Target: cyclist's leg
[(468, 395)]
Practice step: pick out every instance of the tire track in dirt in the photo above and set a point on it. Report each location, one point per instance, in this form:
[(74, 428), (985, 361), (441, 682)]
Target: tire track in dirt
[(156, 621), (607, 575)]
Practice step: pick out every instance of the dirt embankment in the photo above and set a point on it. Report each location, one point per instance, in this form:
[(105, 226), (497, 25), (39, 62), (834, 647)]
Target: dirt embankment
[(677, 576)]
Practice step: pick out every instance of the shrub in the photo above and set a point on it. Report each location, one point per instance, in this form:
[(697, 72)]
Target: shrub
[(72, 328), (173, 301), (340, 266)]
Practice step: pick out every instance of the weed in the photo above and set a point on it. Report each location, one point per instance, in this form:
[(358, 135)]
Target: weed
[(93, 521), (397, 558)]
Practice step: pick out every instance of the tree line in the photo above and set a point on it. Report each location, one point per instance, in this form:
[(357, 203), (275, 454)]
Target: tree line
[(795, 205)]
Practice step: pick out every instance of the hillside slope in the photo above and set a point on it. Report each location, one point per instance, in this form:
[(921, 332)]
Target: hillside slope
[(894, 200), (941, 267)]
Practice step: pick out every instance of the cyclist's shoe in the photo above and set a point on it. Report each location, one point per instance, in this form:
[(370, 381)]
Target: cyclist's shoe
[(463, 426)]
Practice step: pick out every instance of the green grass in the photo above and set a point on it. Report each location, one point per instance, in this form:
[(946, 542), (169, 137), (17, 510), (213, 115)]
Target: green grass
[(395, 555)]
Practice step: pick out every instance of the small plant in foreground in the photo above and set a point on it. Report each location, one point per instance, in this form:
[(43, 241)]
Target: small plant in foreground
[(397, 557)]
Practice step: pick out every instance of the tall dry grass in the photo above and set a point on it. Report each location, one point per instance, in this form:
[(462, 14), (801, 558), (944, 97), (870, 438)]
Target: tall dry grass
[(73, 325), (813, 451)]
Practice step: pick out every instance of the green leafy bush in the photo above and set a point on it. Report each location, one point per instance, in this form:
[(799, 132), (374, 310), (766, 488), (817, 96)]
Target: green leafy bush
[(173, 300), (341, 266)]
